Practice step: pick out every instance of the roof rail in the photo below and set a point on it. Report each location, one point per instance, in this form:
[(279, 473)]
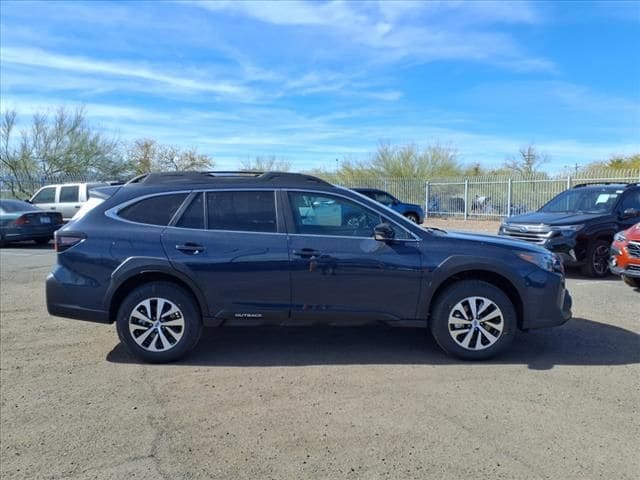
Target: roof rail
[(284, 178), (596, 183)]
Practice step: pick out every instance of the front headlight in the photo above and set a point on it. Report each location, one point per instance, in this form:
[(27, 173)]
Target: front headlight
[(620, 237), (546, 261), (568, 229)]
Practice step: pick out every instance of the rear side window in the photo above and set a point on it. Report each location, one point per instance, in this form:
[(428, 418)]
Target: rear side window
[(69, 194), (242, 211), (158, 210), (193, 216), (46, 195)]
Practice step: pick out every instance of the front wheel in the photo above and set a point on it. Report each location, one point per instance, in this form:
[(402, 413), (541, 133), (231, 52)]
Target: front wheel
[(473, 320), (597, 259), (413, 217), (631, 281), (159, 322)]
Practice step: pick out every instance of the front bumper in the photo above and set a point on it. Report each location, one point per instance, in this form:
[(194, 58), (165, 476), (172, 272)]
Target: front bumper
[(547, 302), (627, 272)]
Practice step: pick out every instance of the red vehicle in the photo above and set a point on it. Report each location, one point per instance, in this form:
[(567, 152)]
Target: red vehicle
[(625, 255)]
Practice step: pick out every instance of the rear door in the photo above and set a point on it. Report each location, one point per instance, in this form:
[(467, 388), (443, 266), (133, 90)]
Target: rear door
[(233, 245), (339, 272), (69, 200), (630, 200)]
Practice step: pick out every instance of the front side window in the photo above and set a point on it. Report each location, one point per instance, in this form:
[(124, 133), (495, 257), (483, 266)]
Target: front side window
[(384, 198), (46, 195), (318, 214), (158, 210), (242, 211), (631, 200), (69, 194)]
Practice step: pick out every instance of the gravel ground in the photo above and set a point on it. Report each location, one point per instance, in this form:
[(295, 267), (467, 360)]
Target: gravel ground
[(480, 226), (350, 403)]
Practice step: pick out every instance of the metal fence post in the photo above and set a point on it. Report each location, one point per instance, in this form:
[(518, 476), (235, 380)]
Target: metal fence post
[(509, 197), (466, 199), (426, 199), (568, 182)]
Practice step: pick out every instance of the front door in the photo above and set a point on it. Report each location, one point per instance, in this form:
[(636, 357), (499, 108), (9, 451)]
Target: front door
[(339, 273), (228, 241)]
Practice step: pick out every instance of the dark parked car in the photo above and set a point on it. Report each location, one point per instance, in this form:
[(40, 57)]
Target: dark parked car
[(22, 221), (579, 224), (413, 212), (169, 253)]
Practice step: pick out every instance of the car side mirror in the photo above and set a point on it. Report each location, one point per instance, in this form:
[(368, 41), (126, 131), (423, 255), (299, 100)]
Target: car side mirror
[(631, 213), (395, 202), (383, 232)]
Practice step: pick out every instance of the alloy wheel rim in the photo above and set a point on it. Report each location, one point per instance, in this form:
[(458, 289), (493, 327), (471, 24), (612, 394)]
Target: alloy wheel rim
[(156, 324), (475, 323), (600, 259)]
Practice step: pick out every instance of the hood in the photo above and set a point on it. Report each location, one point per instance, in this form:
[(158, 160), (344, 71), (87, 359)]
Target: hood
[(496, 241), (411, 205), (556, 218), (633, 233)]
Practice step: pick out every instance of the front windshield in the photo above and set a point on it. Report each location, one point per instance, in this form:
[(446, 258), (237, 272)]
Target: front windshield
[(589, 200)]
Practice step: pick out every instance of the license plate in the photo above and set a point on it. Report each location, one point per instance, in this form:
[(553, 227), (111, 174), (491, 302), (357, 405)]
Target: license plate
[(45, 220)]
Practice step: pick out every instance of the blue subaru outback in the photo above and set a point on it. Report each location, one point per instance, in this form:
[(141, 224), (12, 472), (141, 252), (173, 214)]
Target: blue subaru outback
[(170, 253)]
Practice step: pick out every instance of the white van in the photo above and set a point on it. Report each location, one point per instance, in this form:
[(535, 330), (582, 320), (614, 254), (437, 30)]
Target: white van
[(65, 199)]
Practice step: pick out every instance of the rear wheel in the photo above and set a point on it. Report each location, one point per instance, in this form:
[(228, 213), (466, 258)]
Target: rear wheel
[(473, 320), (597, 259), (631, 281), (159, 322), (413, 217)]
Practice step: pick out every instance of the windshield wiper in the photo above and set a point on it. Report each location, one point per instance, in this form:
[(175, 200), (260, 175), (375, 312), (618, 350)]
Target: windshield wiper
[(435, 229)]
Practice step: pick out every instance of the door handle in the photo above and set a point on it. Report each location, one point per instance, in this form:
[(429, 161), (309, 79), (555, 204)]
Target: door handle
[(190, 248), (306, 253), (77, 206)]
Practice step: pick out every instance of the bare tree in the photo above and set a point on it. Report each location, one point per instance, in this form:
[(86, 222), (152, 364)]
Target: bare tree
[(265, 164), (147, 155), (528, 162)]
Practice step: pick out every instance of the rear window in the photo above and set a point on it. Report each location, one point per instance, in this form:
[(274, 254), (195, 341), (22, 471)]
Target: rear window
[(158, 210), (12, 206), (242, 211)]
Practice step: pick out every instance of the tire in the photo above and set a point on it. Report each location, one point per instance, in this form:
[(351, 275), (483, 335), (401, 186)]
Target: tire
[(451, 314), (631, 281), (169, 343), (413, 217), (597, 259), (42, 241)]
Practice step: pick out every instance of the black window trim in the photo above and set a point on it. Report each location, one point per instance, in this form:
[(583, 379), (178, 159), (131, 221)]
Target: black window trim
[(114, 211), (331, 192)]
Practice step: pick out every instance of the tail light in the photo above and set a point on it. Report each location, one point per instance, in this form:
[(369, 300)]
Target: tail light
[(22, 220), (64, 241)]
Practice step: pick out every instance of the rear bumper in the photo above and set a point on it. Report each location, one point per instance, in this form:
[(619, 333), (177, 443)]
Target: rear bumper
[(31, 233), (59, 297), (548, 303)]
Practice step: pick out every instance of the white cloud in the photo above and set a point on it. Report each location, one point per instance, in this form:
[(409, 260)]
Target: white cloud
[(39, 58)]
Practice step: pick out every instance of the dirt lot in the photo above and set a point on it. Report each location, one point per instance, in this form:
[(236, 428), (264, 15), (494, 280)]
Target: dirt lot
[(316, 403)]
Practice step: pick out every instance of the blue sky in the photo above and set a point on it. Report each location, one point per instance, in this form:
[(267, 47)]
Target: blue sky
[(312, 82)]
